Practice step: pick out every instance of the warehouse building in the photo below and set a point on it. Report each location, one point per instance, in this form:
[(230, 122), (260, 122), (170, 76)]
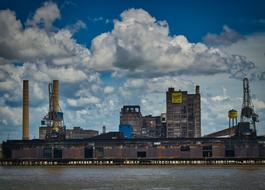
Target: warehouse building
[(114, 146)]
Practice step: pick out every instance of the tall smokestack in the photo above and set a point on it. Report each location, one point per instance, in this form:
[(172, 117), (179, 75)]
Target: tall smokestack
[(25, 110), (56, 107), (197, 89)]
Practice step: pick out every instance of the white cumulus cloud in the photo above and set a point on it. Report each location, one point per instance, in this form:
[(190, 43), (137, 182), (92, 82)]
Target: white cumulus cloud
[(141, 45), (45, 15)]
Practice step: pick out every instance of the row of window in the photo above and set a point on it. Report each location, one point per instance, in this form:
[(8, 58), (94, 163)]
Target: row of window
[(57, 153)]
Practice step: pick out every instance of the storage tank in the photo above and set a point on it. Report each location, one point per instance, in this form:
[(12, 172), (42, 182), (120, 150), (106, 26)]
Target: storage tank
[(232, 115)]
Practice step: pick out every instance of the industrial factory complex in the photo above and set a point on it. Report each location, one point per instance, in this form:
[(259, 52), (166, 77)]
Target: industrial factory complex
[(173, 137)]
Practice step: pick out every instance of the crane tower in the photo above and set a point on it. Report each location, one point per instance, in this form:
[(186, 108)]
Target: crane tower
[(54, 122), (247, 112)]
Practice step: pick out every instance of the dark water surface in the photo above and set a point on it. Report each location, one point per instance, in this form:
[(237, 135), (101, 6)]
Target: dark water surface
[(133, 178)]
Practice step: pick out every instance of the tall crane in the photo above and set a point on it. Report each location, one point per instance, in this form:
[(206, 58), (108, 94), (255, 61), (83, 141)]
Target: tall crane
[(247, 112), (54, 122)]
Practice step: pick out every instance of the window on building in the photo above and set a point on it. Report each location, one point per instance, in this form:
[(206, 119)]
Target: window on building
[(141, 154), (185, 148), (47, 153), (207, 151), (57, 153), (229, 151), (89, 152)]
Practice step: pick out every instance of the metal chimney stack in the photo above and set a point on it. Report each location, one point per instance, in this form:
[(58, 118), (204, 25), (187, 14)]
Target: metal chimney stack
[(56, 107), (25, 110)]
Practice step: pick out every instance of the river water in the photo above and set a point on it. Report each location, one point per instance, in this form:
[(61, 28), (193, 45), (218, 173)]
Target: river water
[(132, 178)]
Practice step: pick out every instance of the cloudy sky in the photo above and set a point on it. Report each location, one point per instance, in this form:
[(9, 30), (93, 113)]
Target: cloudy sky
[(110, 53)]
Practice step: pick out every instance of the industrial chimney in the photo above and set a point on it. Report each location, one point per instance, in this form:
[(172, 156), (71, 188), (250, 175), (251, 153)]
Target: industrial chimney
[(55, 127), (25, 117), (197, 89), (56, 107)]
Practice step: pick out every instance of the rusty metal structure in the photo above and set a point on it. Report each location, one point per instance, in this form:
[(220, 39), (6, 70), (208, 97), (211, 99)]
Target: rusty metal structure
[(248, 118), (53, 121), (25, 114), (248, 114)]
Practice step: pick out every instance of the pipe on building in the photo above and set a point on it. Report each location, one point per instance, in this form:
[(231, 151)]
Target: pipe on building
[(56, 107), (25, 117)]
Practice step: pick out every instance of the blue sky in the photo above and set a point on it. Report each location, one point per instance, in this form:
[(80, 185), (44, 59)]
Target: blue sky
[(110, 53), (194, 19)]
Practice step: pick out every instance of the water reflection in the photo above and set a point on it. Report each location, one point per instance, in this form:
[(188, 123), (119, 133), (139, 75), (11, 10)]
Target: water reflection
[(131, 178)]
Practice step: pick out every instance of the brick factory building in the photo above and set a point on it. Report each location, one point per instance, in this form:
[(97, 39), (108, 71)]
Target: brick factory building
[(149, 126), (142, 126), (154, 126), (182, 117), (131, 115), (183, 113), (115, 147)]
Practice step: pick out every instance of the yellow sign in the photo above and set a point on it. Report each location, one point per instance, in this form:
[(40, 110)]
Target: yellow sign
[(176, 97)]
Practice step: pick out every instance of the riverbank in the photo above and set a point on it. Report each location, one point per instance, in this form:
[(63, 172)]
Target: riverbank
[(205, 161)]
